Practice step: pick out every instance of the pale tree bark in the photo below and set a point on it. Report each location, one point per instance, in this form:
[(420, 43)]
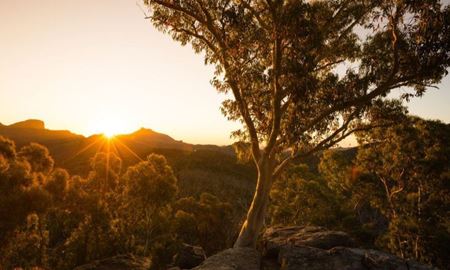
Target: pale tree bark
[(256, 214), (254, 222)]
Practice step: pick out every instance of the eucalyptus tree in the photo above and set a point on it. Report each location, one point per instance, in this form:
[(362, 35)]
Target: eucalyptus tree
[(151, 187), (408, 164), (302, 74)]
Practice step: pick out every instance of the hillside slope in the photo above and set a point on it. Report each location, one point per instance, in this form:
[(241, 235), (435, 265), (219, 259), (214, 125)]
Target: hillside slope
[(73, 152)]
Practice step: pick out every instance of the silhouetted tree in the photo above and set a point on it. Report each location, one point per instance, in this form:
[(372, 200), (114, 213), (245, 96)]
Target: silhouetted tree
[(57, 184), (38, 157), (28, 248), (302, 73), (150, 189), (105, 171), (22, 198), (20, 192), (7, 148)]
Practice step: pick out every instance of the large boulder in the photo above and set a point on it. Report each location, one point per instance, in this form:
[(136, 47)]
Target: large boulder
[(120, 262), (314, 248), (298, 258), (275, 238), (233, 259), (189, 256)]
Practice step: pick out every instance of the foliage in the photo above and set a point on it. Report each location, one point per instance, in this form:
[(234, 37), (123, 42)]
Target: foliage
[(300, 197), (53, 220), (206, 222), (409, 164), (304, 74), (151, 182), (28, 247), (393, 194), (38, 157), (105, 171), (336, 166), (20, 189), (150, 190)]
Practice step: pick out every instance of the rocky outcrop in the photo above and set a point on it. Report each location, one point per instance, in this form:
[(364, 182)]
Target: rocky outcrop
[(30, 123), (120, 262), (275, 238), (233, 259), (282, 248), (298, 258), (314, 248), (189, 256)]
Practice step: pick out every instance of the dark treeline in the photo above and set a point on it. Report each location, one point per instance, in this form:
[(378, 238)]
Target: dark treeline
[(391, 193)]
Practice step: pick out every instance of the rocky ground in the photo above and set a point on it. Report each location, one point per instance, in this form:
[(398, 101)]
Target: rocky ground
[(281, 248), (289, 248)]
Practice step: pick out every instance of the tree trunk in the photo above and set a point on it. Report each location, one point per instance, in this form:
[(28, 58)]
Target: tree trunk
[(257, 211)]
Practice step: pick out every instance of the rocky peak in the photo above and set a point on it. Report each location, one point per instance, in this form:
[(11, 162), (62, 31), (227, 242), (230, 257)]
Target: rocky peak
[(30, 123)]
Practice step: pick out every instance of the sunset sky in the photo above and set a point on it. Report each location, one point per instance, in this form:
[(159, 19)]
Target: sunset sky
[(84, 65)]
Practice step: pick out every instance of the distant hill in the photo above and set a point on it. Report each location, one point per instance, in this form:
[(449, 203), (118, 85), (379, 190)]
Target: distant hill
[(73, 152), (34, 131)]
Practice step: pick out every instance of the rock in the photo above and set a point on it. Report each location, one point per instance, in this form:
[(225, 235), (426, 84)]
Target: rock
[(314, 248), (189, 256), (299, 258), (233, 259), (275, 238), (120, 262)]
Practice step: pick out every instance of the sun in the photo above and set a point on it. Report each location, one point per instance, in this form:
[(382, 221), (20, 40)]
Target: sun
[(109, 134), (110, 128), (111, 125)]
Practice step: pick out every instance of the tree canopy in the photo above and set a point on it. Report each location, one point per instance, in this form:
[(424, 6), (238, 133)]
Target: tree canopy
[(50, 219), (297, 69), (408, 164), (392, 192), (304, 74)]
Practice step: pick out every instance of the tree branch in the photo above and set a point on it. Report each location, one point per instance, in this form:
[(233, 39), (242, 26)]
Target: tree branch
[(255, 14), (362, 100), (221, 54), (277, 55)]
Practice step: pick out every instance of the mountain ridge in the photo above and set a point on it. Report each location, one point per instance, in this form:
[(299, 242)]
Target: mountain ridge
[(74, 151), (40, 124), (29, 123)]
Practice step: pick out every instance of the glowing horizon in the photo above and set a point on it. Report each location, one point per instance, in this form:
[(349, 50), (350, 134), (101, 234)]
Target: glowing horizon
[(75, 64)]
